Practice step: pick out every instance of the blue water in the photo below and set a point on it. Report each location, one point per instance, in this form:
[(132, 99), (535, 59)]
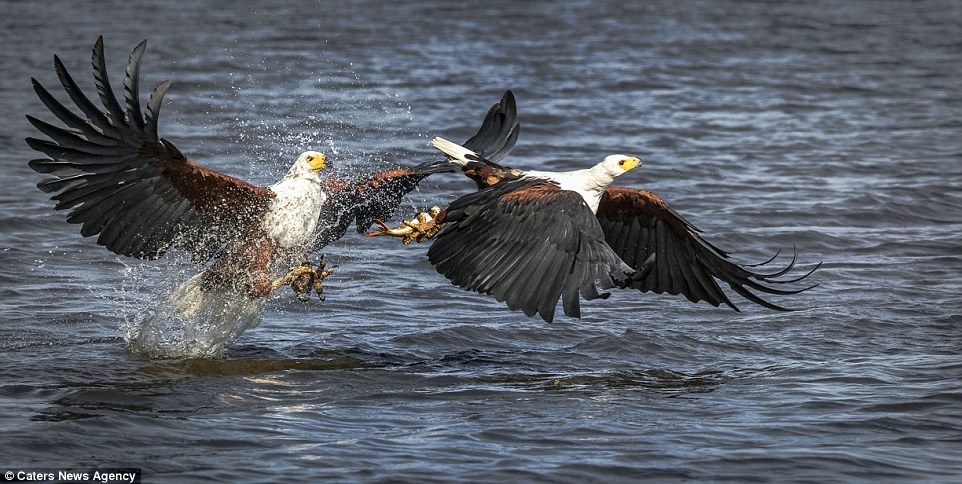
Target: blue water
[(835, 128)]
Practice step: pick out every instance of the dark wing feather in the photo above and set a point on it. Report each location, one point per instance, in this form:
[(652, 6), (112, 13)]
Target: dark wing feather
[(528, 243), (670, 257), (119, 180), (135, 118), (114, 112), (153, 109), (363, 199), (499, 130)]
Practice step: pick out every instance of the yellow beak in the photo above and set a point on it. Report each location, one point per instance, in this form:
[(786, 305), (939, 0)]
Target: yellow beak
[(629, 163), (317, 162)]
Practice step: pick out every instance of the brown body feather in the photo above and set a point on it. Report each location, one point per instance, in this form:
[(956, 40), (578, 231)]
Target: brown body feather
[(142, 196), (511, 237)]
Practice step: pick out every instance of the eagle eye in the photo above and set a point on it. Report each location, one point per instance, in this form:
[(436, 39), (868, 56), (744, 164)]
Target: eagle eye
[(310, 158)]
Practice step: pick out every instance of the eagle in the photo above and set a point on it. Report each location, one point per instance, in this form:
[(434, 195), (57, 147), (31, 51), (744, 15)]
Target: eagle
[(141, 196), (530, 238)]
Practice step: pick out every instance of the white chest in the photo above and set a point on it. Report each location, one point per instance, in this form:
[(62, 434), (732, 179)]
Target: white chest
[(292, 216), (580, 181)]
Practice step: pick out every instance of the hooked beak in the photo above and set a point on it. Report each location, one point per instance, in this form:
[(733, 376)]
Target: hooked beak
[(630, 163), (317, 162)]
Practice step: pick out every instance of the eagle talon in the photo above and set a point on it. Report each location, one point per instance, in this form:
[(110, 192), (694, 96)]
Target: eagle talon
[(319, 277), (424, 226), (381, 223), (303, 277)]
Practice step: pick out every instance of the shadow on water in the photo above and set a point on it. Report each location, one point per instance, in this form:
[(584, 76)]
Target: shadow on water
[(183, 388), (657, 380), (251, 367), (174, 388)]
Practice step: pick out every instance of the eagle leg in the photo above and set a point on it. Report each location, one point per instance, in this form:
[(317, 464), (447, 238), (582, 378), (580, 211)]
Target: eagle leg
[(424, 226), (301, 278)]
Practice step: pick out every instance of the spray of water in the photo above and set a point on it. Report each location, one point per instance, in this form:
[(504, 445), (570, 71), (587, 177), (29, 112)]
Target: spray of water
[(184, 319), (178, 318), (194, 324)]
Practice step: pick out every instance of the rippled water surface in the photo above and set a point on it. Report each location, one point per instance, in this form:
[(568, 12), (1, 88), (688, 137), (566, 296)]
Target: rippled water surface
[(836, 127)]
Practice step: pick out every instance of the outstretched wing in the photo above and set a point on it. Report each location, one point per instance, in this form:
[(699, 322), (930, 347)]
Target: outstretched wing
[(363, 199), (119, 180), (670, 257), (527, 243)]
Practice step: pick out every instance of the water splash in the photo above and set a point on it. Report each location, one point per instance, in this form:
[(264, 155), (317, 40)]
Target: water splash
[(194, 322), (177, 318)]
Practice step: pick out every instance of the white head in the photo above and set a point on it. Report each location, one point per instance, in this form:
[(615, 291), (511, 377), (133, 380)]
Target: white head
[(309, 164), (616, 165)]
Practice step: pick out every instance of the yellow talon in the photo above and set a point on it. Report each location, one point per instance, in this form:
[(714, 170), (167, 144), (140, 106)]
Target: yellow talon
[(422, 227), (302, 277)]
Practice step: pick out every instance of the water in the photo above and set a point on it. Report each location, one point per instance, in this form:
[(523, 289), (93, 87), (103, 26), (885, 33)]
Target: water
[(833, 127)]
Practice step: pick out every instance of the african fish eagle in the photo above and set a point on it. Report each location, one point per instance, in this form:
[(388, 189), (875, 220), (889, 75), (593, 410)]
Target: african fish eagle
[(530, 238), (141, 196)]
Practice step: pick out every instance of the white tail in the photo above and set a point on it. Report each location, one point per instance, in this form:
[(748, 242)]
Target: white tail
[(456, 152)]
